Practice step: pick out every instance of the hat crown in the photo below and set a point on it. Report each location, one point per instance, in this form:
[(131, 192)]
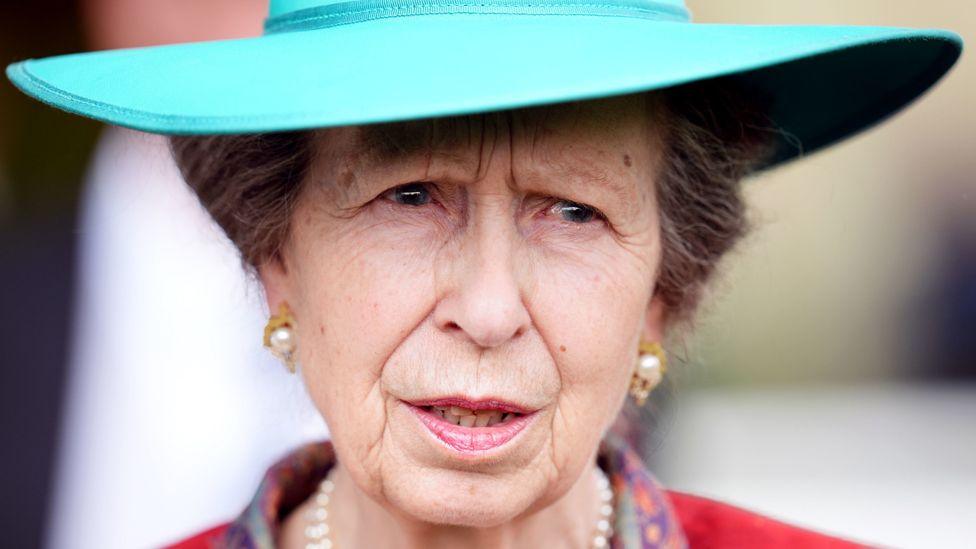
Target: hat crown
[(280, 8), (297, 15)]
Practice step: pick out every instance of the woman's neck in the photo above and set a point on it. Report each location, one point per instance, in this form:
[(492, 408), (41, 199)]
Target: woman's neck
[(356, 520)]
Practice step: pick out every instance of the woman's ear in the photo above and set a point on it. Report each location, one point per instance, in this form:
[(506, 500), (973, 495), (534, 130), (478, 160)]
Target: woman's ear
[(655, 319), (274, 280)]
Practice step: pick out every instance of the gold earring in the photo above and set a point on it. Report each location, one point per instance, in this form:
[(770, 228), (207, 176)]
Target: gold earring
[(279, 336), (649, 370)]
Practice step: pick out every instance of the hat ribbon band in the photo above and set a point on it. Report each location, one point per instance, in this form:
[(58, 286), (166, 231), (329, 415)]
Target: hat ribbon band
[(358, 11)]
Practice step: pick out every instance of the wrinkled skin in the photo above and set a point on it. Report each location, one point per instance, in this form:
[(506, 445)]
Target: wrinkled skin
[(492, 278)]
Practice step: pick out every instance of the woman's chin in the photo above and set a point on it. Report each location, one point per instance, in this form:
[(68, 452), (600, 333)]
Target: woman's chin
[(480, 503), (472, 514)]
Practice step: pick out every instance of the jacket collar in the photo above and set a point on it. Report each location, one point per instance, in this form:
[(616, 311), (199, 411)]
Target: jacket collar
[(643, 515)]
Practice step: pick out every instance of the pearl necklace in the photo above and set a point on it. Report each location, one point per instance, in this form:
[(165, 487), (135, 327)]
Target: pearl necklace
[(317, 531)]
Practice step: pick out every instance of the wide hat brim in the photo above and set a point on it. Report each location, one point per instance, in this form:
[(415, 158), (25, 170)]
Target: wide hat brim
[(823, 83)]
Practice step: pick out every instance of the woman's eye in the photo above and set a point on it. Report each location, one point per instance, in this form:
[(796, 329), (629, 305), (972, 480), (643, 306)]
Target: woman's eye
[(411, 194), (574, 211)]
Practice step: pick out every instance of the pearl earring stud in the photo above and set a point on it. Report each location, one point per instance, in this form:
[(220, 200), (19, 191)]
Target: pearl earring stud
[(279, 336), (648, 372)]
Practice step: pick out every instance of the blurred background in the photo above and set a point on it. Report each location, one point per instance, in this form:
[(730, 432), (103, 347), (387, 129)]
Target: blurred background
[(831, 382)]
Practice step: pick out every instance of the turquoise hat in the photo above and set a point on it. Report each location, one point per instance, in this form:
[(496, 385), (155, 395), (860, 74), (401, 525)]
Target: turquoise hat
[(326, 63)]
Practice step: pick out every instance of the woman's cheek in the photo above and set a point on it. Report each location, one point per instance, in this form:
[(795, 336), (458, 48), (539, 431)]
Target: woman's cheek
[(379, 292), (362, 271), (589, 302)]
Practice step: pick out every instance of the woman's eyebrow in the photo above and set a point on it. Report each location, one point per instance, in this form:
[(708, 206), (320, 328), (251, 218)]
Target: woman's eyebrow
[(586, 182), (584, 177)]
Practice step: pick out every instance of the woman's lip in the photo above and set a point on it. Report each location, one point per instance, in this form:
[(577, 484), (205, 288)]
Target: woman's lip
[(472, 440), (480, 404)]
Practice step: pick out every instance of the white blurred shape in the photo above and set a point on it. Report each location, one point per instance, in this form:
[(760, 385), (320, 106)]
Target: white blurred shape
[(173, 408), (887, 464)]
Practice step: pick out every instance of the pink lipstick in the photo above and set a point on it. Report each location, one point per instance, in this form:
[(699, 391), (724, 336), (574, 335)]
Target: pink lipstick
[(472, 426)]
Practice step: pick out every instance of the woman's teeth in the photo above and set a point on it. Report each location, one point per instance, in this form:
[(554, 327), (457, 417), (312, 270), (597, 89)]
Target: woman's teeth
[(470, 418)]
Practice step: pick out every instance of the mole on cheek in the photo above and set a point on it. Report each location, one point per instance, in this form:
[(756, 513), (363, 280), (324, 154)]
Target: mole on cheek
[(562, 348), (627, 161)]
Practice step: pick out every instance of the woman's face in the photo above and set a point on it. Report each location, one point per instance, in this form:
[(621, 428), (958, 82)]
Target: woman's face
[(504, 263)]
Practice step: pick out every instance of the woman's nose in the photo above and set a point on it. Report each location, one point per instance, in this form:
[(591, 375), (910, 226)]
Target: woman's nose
[(483, 301)]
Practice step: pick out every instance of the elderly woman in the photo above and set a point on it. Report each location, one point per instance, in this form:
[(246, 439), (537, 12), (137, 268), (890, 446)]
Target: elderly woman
[(476, 225)]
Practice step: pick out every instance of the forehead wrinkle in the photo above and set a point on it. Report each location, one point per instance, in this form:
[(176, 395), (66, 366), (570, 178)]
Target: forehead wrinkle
[(462, 141), (621, 189), (559, 170), (555, 161)]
